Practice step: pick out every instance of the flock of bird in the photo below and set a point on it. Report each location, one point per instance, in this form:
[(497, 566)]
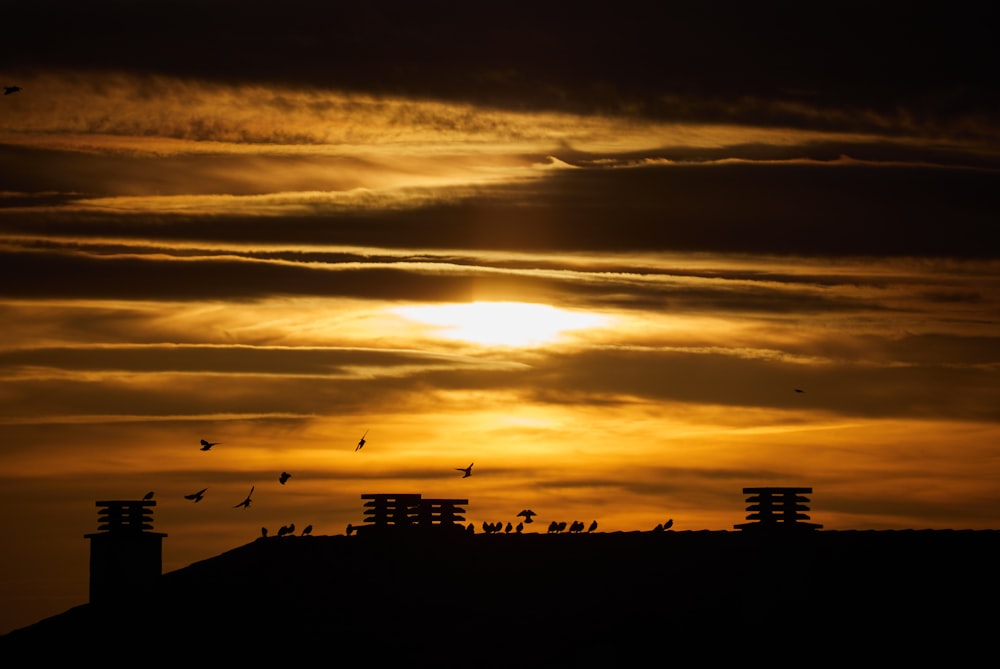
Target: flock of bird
[(489, 528), (283, 477)]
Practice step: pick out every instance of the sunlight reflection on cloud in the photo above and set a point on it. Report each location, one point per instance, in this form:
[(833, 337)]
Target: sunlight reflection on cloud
[(501, 323)]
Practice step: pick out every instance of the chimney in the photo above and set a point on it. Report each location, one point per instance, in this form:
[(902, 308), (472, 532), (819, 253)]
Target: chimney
[(126, 557)]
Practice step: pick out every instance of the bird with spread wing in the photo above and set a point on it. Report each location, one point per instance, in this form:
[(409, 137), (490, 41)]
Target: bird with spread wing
[(245, 503)]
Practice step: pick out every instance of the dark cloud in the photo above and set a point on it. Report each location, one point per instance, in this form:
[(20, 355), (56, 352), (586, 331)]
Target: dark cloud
[(61, 274), (808, 209), (721, 378), (300, 361), (925, 64)]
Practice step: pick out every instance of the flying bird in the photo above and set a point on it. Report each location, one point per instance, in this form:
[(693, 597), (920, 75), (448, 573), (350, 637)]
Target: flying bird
[(7, 90), (245, 503), (284, 477), (196, 496), (148, 496), (467, 470), (361, 442), (527, 514), (799, 390), (207, 445)]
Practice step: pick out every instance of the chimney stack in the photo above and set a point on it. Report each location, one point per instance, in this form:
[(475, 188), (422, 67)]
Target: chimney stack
[(126, 557)]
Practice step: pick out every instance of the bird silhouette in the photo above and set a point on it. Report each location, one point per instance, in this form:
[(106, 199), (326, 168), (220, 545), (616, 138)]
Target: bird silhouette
[(527, 514), (263, 532), (467, 470), (799, 390), (147, 496), (667, 525), (245, 503), (307, 530), (507, 529), (7, 90), (350, 529), (361, 442), (519, 528), (284, 477), (593, 526), (207, 445), (196, 496)]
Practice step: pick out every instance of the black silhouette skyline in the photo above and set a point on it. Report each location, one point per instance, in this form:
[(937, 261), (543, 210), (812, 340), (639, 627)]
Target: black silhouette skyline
[(694, 583)]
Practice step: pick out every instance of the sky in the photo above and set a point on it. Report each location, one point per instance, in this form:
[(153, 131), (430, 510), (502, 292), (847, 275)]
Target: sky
[(627, 260)]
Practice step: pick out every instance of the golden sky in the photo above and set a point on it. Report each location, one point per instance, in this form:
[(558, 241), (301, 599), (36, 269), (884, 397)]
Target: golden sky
[(604, 293)]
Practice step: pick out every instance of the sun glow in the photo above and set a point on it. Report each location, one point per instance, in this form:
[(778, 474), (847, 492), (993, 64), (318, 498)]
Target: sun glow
[(500, 323)]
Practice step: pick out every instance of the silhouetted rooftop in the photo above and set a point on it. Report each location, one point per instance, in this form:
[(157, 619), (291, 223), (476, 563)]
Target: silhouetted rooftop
[(456, 599)]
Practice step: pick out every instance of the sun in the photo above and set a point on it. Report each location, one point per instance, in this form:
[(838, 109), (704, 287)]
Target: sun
[(500, 323)]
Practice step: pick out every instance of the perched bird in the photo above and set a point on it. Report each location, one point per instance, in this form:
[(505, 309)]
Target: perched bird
[(7, 90), (527, 513), (593, 526), (245, 503), (658, 528), (361, 442), (148, 496), (350, 529), (308, 530), (196, 496), (263, 532), (519, 528), (284, 477), (207, 445), (667, 525), (507, 529), (467, 470)]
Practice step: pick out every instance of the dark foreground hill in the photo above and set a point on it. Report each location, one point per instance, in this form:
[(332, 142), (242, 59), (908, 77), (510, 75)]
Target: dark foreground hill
[(587, 600)]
